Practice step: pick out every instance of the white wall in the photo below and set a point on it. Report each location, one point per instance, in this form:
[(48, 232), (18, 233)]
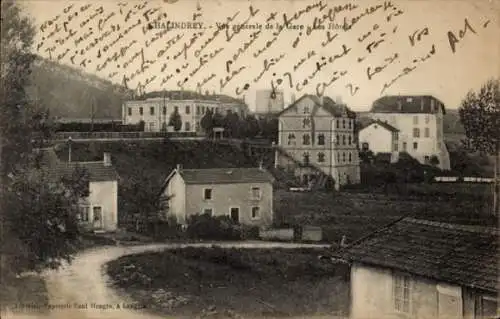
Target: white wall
[(372, 296), (379, 139), (105, 195), (176, 188)]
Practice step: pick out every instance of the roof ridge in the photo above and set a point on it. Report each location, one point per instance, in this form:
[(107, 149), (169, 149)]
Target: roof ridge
[(469, 228)]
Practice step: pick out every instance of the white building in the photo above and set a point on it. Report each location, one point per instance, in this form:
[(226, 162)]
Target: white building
[(156, 112), (317, 134), (419, 269), (419, 120), (380, 137), (98, 211)]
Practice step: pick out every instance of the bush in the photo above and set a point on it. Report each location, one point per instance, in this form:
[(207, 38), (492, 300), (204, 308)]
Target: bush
[(205, 226)]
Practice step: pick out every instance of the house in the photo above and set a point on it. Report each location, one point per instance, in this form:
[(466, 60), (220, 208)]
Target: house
[(419, 120), (425, 269), (317, 134), (244, 194), (380, 137), (98, 211)]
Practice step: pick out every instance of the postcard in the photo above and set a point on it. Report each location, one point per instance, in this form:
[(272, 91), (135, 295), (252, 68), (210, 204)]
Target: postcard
[(252, 159)]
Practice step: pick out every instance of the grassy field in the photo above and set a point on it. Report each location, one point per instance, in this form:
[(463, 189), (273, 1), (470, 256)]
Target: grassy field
[(357, 214), (27, 294), (250, 282)]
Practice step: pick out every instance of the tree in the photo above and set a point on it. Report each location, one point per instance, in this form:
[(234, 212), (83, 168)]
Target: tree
[(480, 116), (206, 122), (38, 215), (175, 120)]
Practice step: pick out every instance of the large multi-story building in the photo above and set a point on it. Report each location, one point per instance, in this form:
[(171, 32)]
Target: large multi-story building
[(317, 134), (419, 120), (156, 112)]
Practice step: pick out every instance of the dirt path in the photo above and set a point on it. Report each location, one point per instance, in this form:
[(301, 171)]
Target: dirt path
[(82, 291)]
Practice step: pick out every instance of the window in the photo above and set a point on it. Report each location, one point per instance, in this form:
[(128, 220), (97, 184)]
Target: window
[(350, 123), (321, 157), (256, 193), (207, 193), (306, 139), (255, 212), (202, 109), (426, 159), (338, 124), (365, 146), (338, 157), (426, 132), (306, 158), (415, 145), (129, 111), (188, 109), (141, 110), (396, 147), (208, 211), (291, 139), (198, 110), (337, 141), (343, 157), (152, 110), (164, 110), (176, 109), (197, 126), (343, 139), (306, 110), (164, 126), (350, 140), (350, 157), (187, 126), (405, 146), (83, 214), (343, 123), (415, 120), (152, 126), (306, 122), (427, 119), (401, 293), (321, 139), (416, 132)]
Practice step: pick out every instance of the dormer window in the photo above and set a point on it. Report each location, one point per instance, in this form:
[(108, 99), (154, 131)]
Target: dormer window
[(306, 122)]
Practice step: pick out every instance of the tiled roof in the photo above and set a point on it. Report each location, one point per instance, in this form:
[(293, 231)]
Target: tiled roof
[(328, 105), (48, 160), (226, 175), (406, 104), (96, 170), (464, 255), (383, 124)]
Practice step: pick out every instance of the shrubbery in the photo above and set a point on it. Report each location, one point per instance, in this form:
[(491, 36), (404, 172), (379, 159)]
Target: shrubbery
[(205, 226)]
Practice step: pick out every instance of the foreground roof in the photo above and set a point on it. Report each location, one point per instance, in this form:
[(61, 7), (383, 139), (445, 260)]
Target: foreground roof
[(56, 169), (407, 104), (458, 254), (226, 175)]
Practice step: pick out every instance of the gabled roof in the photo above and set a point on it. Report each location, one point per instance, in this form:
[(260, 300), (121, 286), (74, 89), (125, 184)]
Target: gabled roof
[(56, 169), (385, 125), (223, 175), (407, 104), (457, 254), (336, 110)]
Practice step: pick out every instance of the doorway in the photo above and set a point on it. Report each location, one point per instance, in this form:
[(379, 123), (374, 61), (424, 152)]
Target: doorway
[(235, 214), (98, 222)]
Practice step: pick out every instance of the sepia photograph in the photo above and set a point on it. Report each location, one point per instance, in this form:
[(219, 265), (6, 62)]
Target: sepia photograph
[(279, 159)]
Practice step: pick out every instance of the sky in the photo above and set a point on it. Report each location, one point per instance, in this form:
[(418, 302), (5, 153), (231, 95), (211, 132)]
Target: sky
[(410, 47)]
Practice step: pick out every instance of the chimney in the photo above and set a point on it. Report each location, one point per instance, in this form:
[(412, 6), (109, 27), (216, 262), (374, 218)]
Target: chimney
[(400, 105), (178, 168), (261, 165), (422, 105), (338, 99), (107, 159), (321, 100), (292, 98)]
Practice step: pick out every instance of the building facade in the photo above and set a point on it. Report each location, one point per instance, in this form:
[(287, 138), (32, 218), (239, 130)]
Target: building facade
[(156, 112), (408, 271), (419, 120), (268, 102), (316, 133), (380, 137), (244, 194), (99, 210)]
